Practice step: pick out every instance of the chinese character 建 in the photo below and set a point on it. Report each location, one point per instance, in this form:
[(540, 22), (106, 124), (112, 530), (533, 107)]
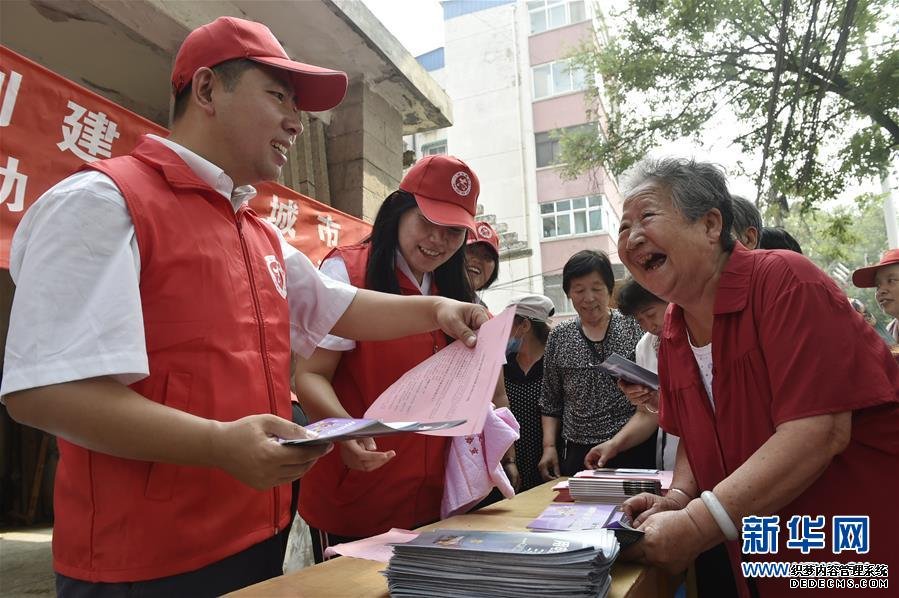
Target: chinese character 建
[(89, 139)]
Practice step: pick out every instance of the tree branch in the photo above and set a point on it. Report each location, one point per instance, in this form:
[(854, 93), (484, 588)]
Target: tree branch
[(841, 87), (772, 98)]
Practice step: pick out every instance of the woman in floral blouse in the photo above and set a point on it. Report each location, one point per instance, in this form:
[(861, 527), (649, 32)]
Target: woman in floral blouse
[(585, 401)]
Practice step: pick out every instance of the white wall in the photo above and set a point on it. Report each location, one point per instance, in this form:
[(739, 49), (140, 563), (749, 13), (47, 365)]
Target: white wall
[(489, 90)]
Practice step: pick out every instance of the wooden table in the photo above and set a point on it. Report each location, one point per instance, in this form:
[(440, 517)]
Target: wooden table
[(357, 578)]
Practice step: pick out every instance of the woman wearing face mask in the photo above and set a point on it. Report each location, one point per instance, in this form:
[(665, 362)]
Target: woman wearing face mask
[(523, 374), (482, 257), (586, 401), (416, 245)]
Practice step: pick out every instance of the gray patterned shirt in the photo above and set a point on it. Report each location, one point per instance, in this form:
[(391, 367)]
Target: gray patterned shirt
[(589, 402)]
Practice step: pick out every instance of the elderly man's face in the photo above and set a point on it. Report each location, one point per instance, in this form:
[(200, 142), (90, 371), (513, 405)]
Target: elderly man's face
[(663, 250)]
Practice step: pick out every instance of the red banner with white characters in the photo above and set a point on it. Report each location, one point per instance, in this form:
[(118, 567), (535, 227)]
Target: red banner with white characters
[(50, 126)]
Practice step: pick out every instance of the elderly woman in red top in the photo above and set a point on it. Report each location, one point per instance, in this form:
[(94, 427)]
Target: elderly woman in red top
[(785, 401)]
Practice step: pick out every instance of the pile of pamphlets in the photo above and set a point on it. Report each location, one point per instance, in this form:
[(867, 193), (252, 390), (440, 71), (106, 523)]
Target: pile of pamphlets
[(613, 486), (451, 563), (573, 516)]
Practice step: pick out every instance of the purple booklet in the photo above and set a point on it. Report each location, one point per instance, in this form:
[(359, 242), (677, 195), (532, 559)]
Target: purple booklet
[(621, 524), (621, 367), (572, 516), (335, 429), (587, 516)]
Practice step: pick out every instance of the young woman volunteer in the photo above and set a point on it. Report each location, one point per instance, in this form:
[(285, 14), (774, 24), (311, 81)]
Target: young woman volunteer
[(416, 247), (482, 258)]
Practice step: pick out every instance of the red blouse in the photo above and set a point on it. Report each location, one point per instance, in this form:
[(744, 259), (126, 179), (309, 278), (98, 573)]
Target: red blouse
[(787, 345)]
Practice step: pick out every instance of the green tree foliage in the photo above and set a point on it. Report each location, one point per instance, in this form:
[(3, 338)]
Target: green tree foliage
[(813, 84), (847, 236)]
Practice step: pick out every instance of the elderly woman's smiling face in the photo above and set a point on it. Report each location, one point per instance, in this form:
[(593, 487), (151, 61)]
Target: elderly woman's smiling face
[(666, 253)]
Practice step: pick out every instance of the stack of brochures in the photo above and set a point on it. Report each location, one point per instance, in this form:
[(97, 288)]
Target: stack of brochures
[(450, 563), (572, 516), (613, 486)]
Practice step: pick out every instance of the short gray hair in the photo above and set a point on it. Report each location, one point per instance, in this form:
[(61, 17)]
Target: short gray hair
[(746, 216), (695, 188)]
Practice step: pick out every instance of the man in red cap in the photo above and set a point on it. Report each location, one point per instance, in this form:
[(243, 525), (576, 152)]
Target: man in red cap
[(153, 325), (883, 275)]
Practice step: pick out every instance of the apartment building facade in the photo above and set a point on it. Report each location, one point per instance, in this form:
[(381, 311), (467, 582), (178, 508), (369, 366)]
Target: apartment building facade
[(505, 67)]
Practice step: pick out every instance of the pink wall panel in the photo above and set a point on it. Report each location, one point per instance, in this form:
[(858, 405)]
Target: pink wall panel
[(554, 254), (551, 187), (557, 43), (560, 111)]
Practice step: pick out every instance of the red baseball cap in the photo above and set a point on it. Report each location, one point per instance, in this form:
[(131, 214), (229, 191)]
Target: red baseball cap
[(484, 233), (445, 189), (864, 277), (226, 38)]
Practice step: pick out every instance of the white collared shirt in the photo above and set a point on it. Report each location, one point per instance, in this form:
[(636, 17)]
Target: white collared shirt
[(76, 312), (335, 268)]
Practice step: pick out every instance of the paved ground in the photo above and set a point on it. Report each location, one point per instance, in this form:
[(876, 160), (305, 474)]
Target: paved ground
[(26, 563), (26, 567)]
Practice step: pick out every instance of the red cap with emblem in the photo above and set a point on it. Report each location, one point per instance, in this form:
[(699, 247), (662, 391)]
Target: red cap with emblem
[(445, 189), (226, 38), (484, 233)]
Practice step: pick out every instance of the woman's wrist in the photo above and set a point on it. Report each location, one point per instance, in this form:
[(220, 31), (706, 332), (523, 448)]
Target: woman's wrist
[(719, 514), (614, 443), (679, 496)]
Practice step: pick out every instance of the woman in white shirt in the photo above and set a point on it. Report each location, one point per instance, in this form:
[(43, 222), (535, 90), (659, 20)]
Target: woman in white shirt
[(649, 311)]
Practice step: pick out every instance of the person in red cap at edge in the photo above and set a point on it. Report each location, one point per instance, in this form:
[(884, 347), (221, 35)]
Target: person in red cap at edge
[(482, 258), (416, 247), (884, 276), (152, 327)]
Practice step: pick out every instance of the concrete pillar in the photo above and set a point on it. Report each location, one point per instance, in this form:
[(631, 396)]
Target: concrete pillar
[(365, 152), (306, 170)]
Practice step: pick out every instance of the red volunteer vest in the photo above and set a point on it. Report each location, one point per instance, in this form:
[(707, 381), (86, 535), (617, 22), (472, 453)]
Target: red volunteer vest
[(404, 493), (216, 325)]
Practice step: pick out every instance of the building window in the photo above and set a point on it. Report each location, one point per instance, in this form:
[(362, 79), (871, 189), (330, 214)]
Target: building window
[(554, 78), (433, 148), (575, 216), (549, 14), (547, 146), (552, 288)]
